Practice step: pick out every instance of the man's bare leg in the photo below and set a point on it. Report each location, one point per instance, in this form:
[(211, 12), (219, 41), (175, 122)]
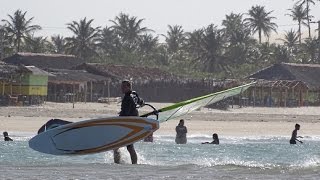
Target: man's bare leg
[(133, 154), (116, 156)]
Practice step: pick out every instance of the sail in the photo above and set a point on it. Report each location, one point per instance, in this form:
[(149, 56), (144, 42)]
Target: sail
[(184, 107)]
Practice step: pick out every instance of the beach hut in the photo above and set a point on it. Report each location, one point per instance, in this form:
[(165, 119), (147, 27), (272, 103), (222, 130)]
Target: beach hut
[(23, 84), (6, 79), (76, 85), (286, 84), (155, 84), (44, 61)]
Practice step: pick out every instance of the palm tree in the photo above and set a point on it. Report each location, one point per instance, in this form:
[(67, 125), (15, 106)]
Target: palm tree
[(5, 47), (193, 41), (85, 40), (175, 38), (307, 3), (233, 21), (299, 14), (310, 48), (129, 29), (36, 44), (290, 38), (19, 28), (260, 21), (238, 37), (148, 43), (281, 54), (236, 30), (109, 41), (58, 44), (209, 49)]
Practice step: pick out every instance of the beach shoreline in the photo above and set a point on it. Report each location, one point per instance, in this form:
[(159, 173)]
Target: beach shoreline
[(246, 121)]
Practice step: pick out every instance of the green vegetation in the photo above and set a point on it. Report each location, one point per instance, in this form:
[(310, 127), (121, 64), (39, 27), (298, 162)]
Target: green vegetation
[(231, 51)]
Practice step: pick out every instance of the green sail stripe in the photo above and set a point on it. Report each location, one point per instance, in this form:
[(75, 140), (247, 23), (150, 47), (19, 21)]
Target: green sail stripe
[(183, 103)]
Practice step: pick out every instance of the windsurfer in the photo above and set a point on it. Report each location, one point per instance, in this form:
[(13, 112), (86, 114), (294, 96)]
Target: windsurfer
[(128, 108)]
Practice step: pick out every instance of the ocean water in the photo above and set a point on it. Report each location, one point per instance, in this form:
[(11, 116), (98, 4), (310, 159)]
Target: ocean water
[(234, 158)]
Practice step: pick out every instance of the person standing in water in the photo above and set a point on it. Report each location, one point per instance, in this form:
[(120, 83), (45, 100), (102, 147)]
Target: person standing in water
[(215, 139), (6, 136), (294, 135), (128, 108), (181, 130)]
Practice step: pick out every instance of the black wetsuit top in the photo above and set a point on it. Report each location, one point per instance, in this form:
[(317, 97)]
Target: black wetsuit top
[(129, 104), (7, 139)]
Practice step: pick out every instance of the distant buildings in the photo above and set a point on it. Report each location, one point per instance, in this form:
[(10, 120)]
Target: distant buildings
[(22, 84), (27, 78), (44, 61), (286, 85)]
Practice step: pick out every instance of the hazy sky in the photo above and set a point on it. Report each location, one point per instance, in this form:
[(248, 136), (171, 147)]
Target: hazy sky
[(53, 15)]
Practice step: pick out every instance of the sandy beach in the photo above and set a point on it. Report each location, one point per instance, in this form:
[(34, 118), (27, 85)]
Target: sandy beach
[(246, 121)]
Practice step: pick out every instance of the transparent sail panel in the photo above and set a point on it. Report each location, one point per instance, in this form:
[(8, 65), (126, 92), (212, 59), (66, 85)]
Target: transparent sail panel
[(185, 107)]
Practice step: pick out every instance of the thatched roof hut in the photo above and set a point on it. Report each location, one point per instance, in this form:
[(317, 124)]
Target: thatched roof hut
[(44, 61), (33, 70), (81, 85), (6, 70), (306, 73), (136, 74), (64, 76), (287, 84), (155, 84)]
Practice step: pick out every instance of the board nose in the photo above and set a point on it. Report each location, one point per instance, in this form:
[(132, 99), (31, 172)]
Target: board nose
[(44, 147)]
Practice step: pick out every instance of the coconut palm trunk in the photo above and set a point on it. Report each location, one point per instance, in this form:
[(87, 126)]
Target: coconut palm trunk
[(299, 23), (260, 35), (308, 19)]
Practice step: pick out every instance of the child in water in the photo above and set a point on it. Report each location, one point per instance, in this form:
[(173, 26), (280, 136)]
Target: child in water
[(215, 139), (6, 136), (294, 135)]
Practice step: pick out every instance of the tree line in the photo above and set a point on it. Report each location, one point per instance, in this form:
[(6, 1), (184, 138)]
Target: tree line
[(228, 52)]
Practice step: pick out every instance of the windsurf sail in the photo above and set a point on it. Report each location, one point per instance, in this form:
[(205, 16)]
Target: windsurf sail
[(185, 107)]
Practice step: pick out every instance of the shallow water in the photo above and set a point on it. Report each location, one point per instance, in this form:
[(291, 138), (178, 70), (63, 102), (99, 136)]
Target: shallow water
[(234, 158)]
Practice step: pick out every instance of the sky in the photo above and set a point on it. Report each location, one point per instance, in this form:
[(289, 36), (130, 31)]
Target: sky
[(53, 15)]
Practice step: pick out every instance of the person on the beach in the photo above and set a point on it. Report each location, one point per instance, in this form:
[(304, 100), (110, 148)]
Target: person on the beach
[(294, 135), (181, 137), (215, 139), (6, 136), (128, 108)]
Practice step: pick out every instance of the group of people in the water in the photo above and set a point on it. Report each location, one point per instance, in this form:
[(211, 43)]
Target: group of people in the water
[(181, 136)]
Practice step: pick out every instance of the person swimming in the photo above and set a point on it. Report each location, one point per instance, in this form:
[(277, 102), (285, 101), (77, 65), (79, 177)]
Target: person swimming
[(181, 130), (294, 135), (215, 139), (6, 136)]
